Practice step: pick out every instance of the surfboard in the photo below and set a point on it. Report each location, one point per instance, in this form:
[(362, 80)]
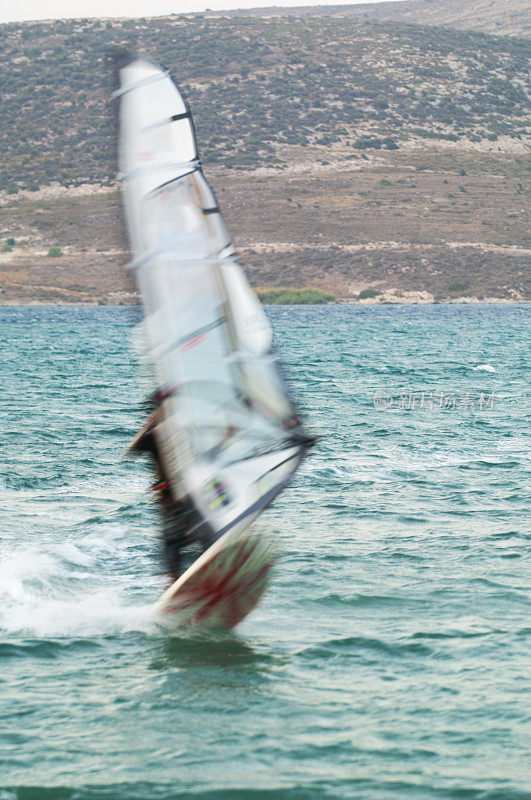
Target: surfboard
[(223, 585)]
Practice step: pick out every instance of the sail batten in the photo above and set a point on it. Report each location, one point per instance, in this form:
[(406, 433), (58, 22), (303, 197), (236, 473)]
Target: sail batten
[(169, 255), (159, 165), (128, 87), (227, 433)]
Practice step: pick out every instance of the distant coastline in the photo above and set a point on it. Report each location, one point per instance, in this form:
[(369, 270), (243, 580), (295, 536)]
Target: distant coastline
[(459, 301)]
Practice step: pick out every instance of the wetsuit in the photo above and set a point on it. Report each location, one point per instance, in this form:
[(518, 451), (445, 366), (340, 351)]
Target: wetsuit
[(177, 517)]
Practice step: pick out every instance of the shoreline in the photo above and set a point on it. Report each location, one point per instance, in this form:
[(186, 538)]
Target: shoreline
[(465, 301)]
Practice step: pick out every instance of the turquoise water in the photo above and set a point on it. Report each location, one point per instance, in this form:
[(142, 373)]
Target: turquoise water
[(390, 658)]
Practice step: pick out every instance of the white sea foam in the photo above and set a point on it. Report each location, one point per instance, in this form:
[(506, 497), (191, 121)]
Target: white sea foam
[(73, 554), (484, 368), (41, 596), (89, 614), (21, 566)]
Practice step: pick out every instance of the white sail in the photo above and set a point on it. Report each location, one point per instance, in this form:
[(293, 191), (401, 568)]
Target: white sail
[(228, 435)]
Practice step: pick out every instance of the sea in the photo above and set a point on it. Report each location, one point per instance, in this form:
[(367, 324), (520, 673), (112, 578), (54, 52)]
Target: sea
[(390, 658)]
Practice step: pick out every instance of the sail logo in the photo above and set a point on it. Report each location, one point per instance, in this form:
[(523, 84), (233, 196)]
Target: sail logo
[(217, 494)]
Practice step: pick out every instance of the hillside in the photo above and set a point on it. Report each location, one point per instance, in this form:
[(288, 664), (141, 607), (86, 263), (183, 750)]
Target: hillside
[(256, 85), (413, 227), (347, 154), (501, 17)]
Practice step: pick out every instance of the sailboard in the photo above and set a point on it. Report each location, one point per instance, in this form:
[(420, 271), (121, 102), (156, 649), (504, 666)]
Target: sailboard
[(224, 431)]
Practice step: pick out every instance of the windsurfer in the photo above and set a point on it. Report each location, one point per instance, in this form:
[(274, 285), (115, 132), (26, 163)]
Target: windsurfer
[(222, 432), (177, 517)]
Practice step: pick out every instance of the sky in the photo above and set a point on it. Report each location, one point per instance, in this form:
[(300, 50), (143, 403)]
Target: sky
[(18, 10)]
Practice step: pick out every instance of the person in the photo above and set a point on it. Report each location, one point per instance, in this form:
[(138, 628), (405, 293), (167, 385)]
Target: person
[(177, 517)]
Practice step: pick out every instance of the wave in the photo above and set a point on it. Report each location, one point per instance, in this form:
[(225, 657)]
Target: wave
[(62, 589), (103, 613), (357, 645), (44, 648), (484, 368), (363, 600), (332, 789), (167, 791)]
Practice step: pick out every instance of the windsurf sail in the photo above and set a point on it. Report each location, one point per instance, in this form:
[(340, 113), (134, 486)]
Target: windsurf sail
[(226, 433)]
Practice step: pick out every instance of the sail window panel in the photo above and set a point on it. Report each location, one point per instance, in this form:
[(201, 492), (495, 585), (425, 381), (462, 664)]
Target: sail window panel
[(175, 222), (209, 404), (205, 403), (205, 374), (251, 435), (188, 325), (203, 359), (199, 343), (265, 390), (192, 301), (226, 425), (208, 410), (181, 304), (189, 341), (222, 428), (250, 322), (196, 407)]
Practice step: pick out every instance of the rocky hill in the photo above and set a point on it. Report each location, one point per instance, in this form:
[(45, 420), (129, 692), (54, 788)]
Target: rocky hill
[(349, 154), (502, 17), (256, 85)]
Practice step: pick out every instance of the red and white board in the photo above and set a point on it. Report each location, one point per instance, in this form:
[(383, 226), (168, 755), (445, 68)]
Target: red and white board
[(223, 585)]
